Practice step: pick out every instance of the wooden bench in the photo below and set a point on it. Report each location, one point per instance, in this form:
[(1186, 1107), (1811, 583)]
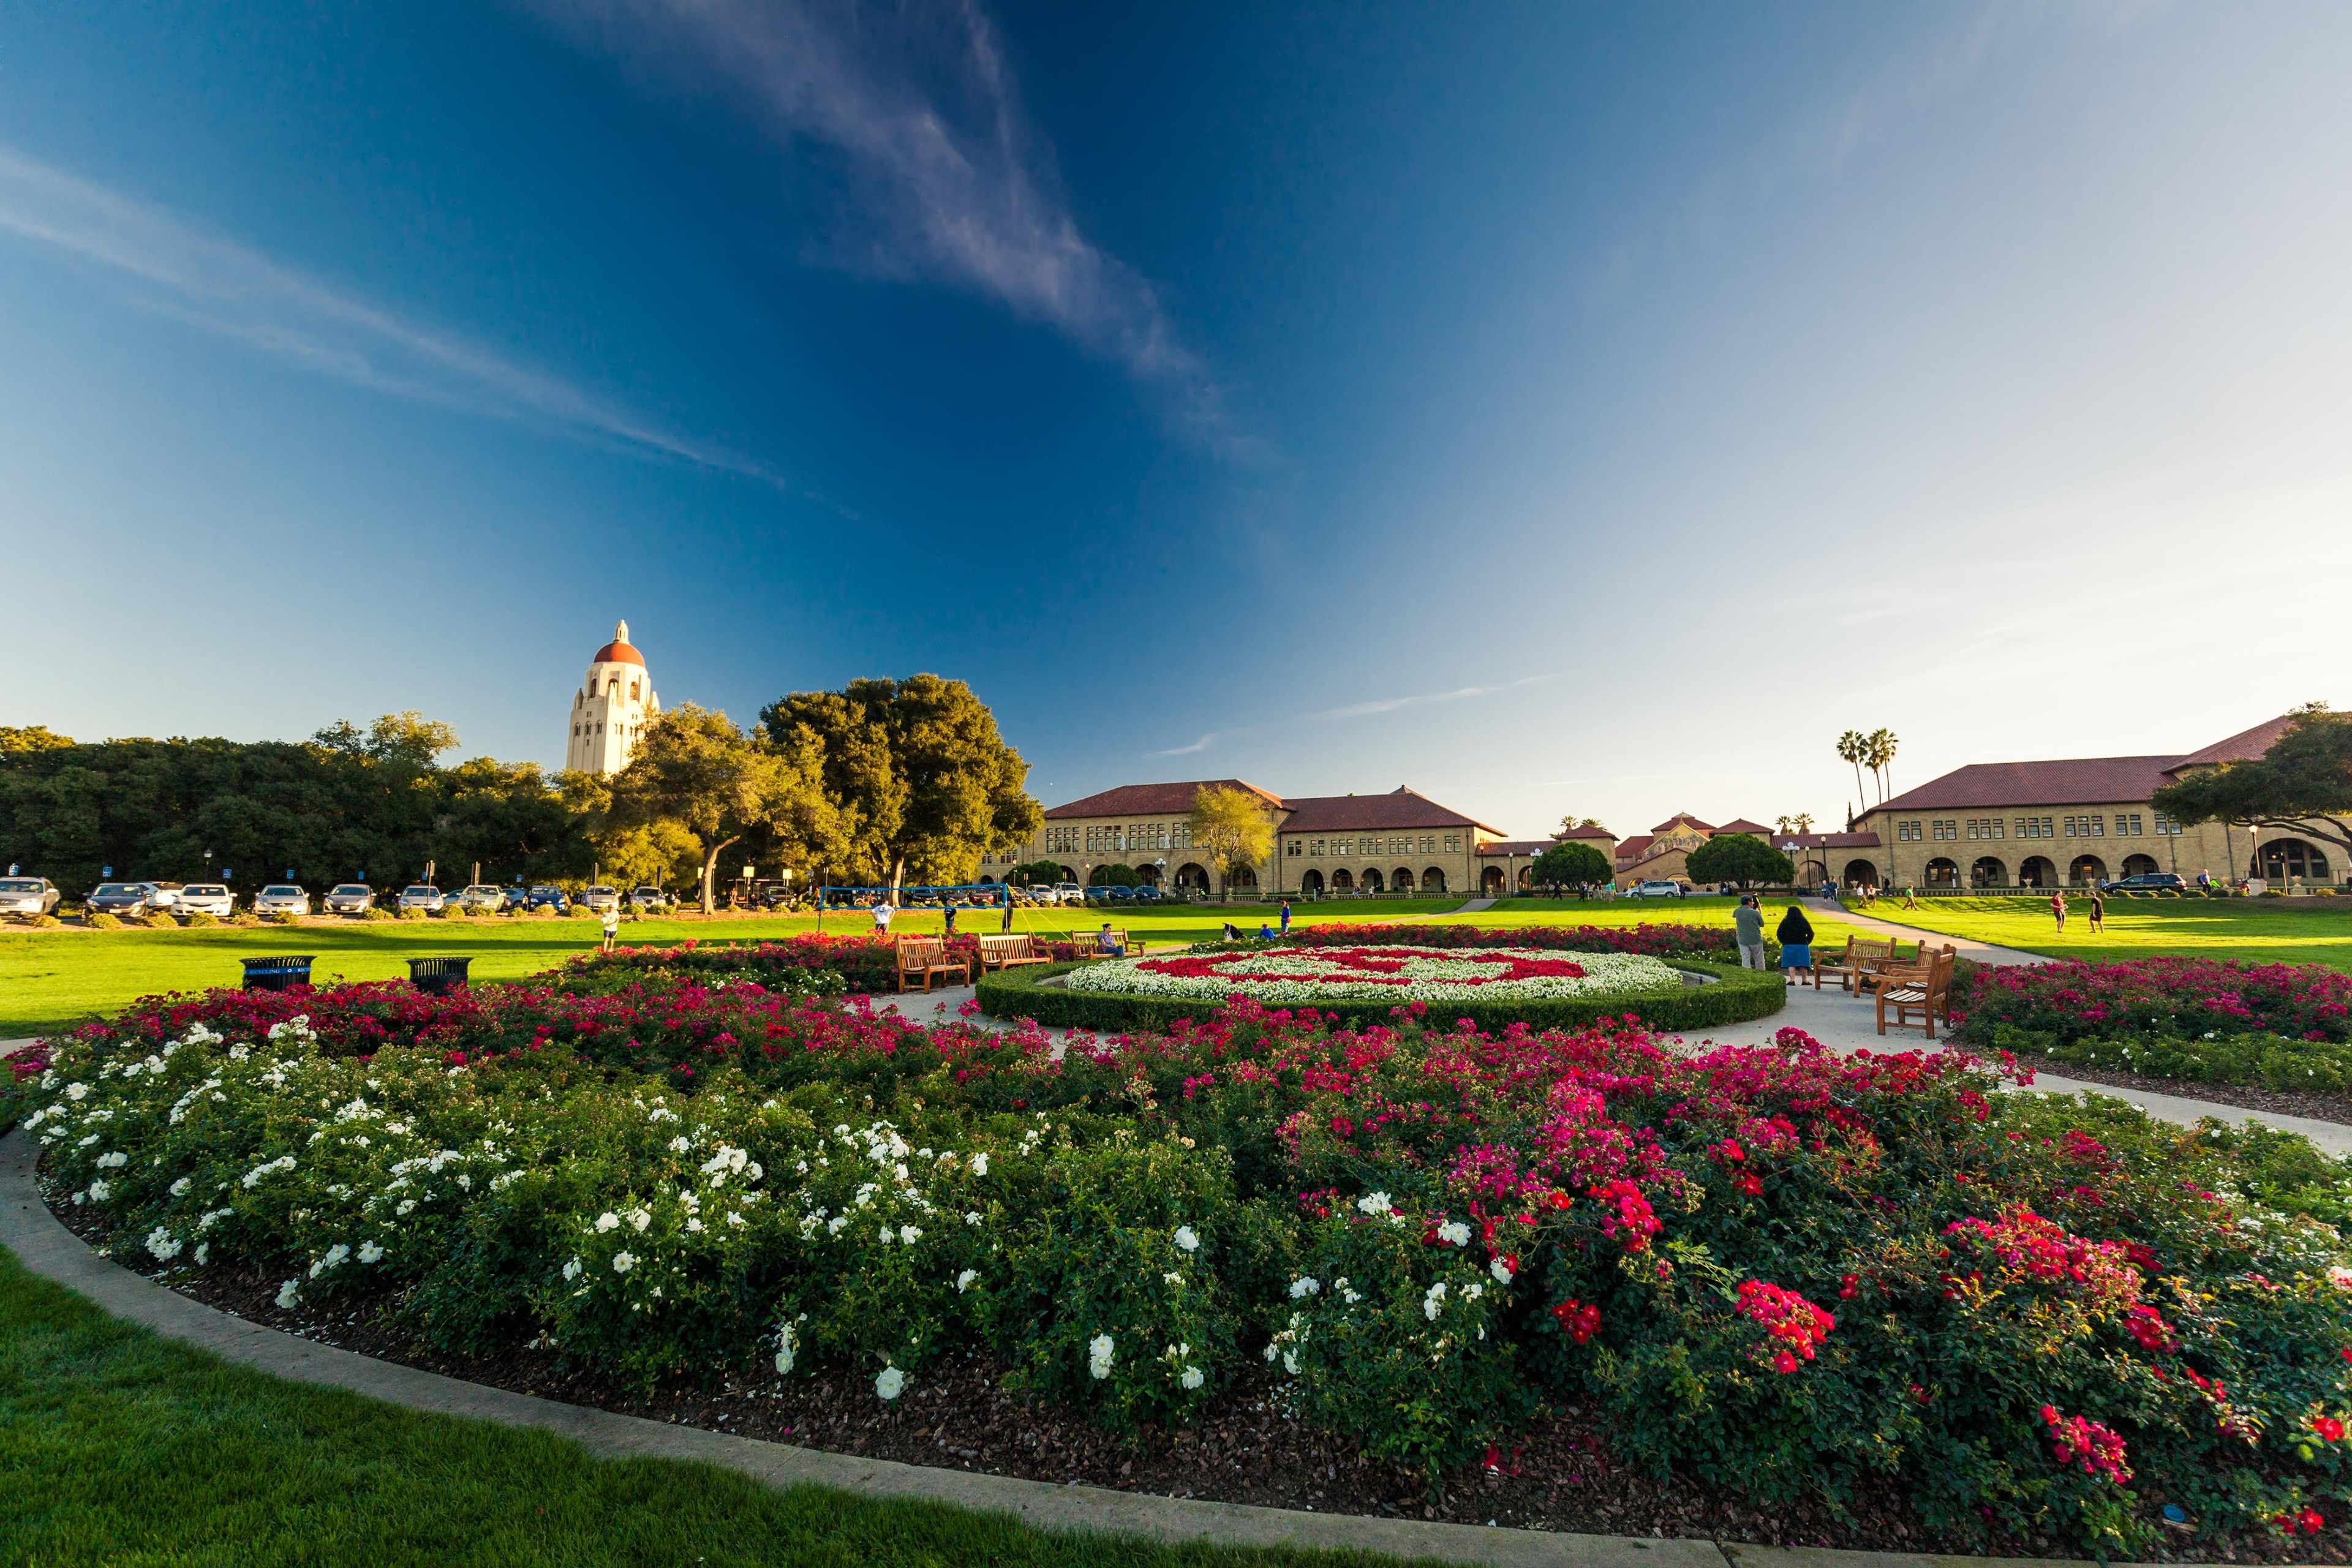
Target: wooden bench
[(1857, 968), (1090, 946), (1009, 952), (1919, 993), (927, 957)]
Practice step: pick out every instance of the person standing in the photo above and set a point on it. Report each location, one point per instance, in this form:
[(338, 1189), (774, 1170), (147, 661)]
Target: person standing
[(1749, 922), (2058, 909), (2098, 913), (949, 932), (612, 925), (882, 914), (1008, 913), (1285, 919), (1796, 936)]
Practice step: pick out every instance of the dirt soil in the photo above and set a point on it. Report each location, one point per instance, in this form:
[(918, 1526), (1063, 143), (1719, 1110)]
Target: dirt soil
[(1558, 1475)]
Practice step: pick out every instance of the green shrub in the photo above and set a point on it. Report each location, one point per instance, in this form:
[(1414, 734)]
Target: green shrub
[(2272, 1061), (158, 920), (46, 922), (283, 918), (101, 920), (373, 913), (202, 918), (411, 914), (244, 918)]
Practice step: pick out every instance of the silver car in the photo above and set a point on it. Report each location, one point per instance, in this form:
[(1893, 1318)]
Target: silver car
[(601, 898), (644, 898), (204, 898), (422, 896), (486, 896), (350, 899), (282, 899), (27, 896)]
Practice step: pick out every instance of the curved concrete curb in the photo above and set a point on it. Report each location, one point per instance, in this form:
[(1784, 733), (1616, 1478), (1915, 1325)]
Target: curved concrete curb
[(50, 1250)]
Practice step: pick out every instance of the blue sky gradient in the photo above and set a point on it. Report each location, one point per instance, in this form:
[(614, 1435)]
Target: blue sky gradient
[(1551, 407)]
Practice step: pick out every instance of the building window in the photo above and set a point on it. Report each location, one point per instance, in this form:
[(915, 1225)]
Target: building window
[(1906, 833), (1316, 847), (2128, 825), (1295, 847), (1454, 844), (1986, 826), (2099, 825), (2165, 828), (1947, 828), (1343, 847), (2035, 827)]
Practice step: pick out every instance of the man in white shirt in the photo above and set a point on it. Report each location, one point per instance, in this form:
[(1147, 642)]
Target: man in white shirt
[(882, 914)]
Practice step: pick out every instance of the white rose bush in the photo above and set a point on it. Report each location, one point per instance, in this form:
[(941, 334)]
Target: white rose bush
[(1787, 1271)]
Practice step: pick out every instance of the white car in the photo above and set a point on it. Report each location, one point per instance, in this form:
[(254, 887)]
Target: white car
[(204, 898), (601, 898), (29, 896), (1069, 893), (422, 896), (649, 898), (282, 899), (486, 896), (167, 894), (1655, 890)]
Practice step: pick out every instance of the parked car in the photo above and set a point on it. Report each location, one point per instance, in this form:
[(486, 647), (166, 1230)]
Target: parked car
[(350, 899), (205, 898), (29, 896), (2146, 881), (167, 894), (423, 896), (551, 898), (125, 899), (515, 898), (1655, 890), (282, 899), (601, 898), (644, 898), (482, 896), (1069, 893)]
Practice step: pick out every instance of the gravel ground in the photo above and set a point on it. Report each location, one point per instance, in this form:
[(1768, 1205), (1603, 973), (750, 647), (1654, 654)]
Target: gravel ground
[(1560, 1475)]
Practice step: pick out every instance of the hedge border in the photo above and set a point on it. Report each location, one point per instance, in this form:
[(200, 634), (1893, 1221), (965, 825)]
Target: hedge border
[(1738, 995)]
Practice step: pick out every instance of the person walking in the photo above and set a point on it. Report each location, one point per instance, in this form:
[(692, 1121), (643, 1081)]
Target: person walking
[(2098, 913), (1285, 919), (2058, 909), (612, 926), (1008, 913), (1796, 937), (1748, 919), (949, 932), (1910, 896)]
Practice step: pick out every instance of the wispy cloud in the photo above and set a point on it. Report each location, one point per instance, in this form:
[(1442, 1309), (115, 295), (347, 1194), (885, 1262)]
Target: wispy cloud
[(1364, 709), (183, 272), (953, 184)]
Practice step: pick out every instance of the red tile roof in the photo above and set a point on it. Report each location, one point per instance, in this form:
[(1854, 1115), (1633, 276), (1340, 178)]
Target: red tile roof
[(2081, 781), (1741, 825), (1156, 799), (1668, 825), (1372, 813), (1632, 849), (2245, 746)]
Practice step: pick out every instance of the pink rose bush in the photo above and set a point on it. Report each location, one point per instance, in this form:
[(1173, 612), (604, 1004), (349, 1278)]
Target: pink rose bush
[(1776, 1267)]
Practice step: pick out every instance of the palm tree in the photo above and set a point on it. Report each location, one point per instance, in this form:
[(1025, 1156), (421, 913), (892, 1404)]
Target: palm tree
[(1804, 821), (1783, 821), (1852, 747), (1880, 754)]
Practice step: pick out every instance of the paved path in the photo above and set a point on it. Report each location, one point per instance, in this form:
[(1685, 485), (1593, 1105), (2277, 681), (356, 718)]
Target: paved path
[(48, 1248)]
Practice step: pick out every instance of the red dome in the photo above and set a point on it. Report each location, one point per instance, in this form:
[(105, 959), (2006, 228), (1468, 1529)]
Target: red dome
[(619, 653)]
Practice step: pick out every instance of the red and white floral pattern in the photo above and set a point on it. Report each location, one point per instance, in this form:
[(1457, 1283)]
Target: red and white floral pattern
[(1376, 973)]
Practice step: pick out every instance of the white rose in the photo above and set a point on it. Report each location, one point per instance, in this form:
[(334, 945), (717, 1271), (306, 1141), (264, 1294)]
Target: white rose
[(891, 1383), (1098, 1356), (1186, 1240), (964, 1279)]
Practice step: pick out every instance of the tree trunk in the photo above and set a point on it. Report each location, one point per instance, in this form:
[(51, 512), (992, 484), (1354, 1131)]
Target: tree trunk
[(710, 874), (898, 875)]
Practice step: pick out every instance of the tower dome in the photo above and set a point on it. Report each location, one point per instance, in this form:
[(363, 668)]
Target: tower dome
[(613, 703)]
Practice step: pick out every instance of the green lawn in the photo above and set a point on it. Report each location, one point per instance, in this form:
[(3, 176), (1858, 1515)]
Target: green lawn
[(120, 1448), (2286, 931)]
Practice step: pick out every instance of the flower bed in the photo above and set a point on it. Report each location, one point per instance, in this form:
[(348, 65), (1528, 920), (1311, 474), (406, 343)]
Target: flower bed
[(1394, 975), (1778, 1269), (2280, 1026)]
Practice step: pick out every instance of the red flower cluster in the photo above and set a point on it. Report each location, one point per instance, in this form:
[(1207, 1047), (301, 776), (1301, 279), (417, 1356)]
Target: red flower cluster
[(2146, 1325), (1578, 1319), (2308, 1521), (2327, 1428), (2179, 997), (2074, 1440), (1623, 1208), (1789, 1322), (2041, 1250), (1359, 966), (1661, 940)]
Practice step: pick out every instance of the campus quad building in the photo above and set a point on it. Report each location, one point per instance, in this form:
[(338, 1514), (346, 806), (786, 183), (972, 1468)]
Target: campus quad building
[(2045, 825), (613, 702), (1662, 854), (1393, 843)]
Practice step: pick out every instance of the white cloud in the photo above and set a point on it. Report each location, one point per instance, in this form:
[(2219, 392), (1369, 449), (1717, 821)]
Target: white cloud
[(953, 185), (222, 287)]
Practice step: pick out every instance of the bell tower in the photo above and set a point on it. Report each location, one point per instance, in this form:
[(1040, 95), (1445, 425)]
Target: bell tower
[(613, 703)]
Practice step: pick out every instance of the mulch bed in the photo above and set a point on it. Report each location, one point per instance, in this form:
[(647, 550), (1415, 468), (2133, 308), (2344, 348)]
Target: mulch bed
[(2334, 1108), (1557, 1475)]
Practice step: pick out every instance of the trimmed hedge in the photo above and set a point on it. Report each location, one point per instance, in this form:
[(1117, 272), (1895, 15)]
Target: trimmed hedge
[(1738, 995)]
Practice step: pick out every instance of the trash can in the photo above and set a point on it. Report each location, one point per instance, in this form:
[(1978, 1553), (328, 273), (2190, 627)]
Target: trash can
[(280, 973), (438, 976)]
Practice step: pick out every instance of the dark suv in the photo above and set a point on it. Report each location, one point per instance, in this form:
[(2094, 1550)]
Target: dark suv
[(2146, 882)]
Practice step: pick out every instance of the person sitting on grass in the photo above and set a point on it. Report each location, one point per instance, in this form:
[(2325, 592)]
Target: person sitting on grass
[(1233, 931), (1266, 932), (1796, 937)]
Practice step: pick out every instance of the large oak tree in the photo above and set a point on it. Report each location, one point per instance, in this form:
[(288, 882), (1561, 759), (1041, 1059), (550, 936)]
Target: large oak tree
[(2302, 785), (692, 772)]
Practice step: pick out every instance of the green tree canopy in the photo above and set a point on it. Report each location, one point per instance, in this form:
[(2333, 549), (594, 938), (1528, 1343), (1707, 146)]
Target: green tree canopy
[(2302, 785), (1570, 863), (31, 738), (1230, 830), (923, 783), (1741, 859), (693, 773)]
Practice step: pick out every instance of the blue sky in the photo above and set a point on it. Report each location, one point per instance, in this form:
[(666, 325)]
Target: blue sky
[(1552, 407)]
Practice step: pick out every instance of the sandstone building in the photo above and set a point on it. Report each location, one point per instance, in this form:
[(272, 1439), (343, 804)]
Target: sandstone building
[(615, 700)]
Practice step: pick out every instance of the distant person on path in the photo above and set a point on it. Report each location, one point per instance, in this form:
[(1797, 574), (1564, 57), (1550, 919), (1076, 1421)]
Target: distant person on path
[(1796, 937), (2058, 909), (2098, 913), (1008, 913), (1749, 922), (612, 926), (882, 914), (1910, 896), (1285, 918), (949, 932), (2205, 882)]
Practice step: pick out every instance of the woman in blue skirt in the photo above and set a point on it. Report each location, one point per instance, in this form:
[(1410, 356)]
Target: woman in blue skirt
[(1796, 938)]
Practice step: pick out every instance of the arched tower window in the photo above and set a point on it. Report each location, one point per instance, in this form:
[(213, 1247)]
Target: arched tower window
[(633, 691)]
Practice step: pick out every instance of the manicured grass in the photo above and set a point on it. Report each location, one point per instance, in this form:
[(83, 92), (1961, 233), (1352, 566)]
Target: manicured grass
[(121, 1448), (51, 980), (2281, 931)]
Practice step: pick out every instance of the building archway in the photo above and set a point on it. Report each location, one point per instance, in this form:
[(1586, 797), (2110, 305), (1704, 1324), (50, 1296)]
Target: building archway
[(1401, 878), (1068, 875), (2037, 872), (1342, 881), (1243, 879), (1987, 873), (2284, 857), (1527, 879), (2138, 865), (1311, 883), (2087, 868), (1943, 873), (1490, 882), (1372, 880), (1861, 873), (1433, 881), (1192, 874), (1147, 876)]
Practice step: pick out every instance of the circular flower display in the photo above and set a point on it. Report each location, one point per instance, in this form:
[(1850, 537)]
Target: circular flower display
[(1377, 974)]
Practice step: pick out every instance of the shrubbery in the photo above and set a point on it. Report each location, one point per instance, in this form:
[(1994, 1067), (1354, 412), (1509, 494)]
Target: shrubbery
[(1775, 1269), (98, 919), (373, 913)]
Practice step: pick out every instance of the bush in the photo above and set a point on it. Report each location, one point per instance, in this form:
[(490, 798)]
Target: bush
[(244, 918), (282, 918), (101, 920), (1784, 1271), (410, 914), (2144, 1001), (45, 923), (158, 920), (202, 918), (372, 914)]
